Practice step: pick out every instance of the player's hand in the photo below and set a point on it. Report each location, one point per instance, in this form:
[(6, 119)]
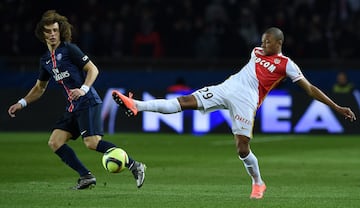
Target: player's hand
[(12, 109), (76, 93), (347, 112)]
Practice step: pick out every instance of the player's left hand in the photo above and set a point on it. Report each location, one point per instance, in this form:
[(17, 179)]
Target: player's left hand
[(76, 93)]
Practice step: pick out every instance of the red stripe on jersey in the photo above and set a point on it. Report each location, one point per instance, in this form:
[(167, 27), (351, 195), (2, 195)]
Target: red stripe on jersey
[(53, 59), (71, 107), (270, 70)]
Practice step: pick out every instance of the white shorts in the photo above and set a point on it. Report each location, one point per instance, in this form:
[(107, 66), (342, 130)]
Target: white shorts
[(221, 97)]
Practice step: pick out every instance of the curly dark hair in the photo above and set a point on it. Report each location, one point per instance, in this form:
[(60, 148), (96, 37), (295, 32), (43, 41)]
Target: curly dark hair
[(50, 17)]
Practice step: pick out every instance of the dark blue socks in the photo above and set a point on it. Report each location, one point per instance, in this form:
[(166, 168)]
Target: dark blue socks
[(69, 157), (103, 146)]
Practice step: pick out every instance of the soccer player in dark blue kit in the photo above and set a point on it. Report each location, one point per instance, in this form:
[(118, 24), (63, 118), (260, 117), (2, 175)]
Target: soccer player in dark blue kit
[(75, 74)]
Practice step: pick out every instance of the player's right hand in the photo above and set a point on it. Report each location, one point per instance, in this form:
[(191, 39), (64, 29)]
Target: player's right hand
[(12, 109), (347, 112)]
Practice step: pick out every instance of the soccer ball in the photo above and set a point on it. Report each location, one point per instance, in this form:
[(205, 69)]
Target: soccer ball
[(114, 160)]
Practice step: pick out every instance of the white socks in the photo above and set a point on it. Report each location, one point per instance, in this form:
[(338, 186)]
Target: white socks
[(159, 105), (252, 168)]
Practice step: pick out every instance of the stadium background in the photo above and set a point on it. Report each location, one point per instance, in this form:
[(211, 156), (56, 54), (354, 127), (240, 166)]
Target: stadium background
[(144, 46), (203, 41)]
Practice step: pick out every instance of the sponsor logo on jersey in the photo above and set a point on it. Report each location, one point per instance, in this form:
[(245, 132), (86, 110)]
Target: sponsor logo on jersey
[(48, 61), (242, 119), (266, 64), (55, 70), (60, 75)]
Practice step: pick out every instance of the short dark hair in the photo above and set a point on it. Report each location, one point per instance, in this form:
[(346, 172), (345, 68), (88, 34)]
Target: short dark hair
[(276, 32), (51, 17)]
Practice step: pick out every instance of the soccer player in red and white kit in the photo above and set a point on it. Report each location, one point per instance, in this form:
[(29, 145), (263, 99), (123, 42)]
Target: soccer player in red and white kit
[(242, 94)]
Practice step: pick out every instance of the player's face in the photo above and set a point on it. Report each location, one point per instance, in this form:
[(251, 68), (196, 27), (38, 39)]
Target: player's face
[(270, 45), (52, 35)]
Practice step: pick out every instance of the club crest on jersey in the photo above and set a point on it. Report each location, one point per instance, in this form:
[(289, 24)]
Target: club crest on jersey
[(277, 61), (59, 56)]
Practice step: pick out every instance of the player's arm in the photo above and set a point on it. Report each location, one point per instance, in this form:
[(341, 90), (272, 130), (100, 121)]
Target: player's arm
[(317, 94), (91, 75), (34, 94), (37, 91)]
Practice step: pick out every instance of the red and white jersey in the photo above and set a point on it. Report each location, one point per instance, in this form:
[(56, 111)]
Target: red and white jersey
[(260, 75)]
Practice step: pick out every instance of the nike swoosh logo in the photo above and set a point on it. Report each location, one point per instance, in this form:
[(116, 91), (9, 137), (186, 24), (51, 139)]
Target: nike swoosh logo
[(47, 62), (83, 132)]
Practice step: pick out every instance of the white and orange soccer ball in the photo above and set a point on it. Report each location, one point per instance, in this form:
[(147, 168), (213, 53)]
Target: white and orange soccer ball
[(114, 160)]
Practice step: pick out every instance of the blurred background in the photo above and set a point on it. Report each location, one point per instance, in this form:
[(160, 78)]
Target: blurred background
[(150, 45), (324, 29)]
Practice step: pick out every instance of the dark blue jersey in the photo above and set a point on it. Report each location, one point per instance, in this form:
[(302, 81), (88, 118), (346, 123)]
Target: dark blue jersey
[(65, 65)]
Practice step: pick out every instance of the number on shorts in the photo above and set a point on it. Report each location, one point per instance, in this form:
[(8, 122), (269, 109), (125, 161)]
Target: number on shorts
[(205, 93)]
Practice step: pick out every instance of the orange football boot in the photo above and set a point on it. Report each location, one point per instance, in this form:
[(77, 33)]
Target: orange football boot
[(125, 102), (257, 191)]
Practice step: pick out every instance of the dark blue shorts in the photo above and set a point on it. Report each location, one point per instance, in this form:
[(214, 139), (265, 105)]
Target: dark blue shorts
[(85, 122)]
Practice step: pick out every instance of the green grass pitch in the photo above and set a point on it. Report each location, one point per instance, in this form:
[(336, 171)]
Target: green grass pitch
[(186, 171)]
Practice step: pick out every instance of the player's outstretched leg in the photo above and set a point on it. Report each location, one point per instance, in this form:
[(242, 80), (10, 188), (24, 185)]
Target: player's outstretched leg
[(125, 102), (138, 170), (84, 182)]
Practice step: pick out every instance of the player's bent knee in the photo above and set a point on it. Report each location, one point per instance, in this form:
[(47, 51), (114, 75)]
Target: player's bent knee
[(54, 144), (91, 142), (243, 153), (242, 145), (58, 138), (188, 102)]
